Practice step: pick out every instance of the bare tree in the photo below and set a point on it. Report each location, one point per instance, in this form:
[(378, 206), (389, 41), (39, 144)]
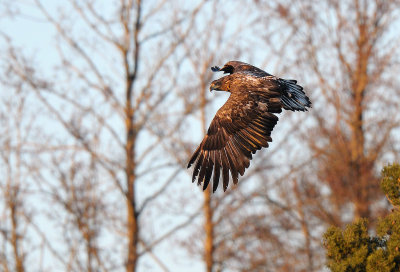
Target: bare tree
[(206, 47), (108, 99), (12, 229), (345, 54), (16, 128), (324, 168)]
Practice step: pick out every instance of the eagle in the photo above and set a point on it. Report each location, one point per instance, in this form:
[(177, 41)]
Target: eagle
[(244, 123)]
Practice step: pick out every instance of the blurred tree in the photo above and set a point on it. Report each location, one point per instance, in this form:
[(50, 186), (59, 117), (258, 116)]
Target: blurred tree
[(348, 50), (206, 47), (106, 106), (355, 250), (346, 55), (14, 205)]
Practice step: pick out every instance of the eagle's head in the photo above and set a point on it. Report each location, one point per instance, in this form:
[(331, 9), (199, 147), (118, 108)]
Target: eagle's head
[(221, 84), (229, 67)]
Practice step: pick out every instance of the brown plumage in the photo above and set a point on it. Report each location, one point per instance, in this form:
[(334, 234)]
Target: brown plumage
[(244, 123)]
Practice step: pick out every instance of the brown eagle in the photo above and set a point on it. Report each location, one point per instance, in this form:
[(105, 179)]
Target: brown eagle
[(244, 123)]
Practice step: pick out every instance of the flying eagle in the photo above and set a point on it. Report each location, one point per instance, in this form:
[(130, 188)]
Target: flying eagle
[(244, 123)]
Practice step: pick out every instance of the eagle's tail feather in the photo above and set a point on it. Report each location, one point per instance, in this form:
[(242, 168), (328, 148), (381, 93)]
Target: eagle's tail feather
[(294, 98)]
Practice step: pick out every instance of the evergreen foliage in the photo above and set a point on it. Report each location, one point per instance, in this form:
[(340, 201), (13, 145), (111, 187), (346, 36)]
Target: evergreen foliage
[(355, 250)]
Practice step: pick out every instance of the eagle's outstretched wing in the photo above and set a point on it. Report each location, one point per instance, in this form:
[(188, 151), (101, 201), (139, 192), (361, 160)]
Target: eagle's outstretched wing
[(241, 126)]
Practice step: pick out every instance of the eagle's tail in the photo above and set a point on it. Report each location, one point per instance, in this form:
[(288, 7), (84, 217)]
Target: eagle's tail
[(294, 98)]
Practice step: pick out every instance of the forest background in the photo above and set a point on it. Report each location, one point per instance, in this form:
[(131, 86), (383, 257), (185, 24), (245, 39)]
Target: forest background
[(102, 103)]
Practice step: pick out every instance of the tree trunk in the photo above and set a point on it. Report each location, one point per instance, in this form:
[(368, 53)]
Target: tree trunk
[(209, 230), (208, 212), (19, 263), (359, 84), (132, 220), (132, 216)]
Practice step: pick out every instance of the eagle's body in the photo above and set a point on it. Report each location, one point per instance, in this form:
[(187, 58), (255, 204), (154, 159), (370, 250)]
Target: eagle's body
[(244, 123)]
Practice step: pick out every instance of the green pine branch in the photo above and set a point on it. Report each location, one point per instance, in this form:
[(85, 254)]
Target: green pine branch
[(355, 250)]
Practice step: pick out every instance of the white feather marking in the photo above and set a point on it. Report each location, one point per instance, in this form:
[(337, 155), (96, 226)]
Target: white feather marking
[(251, 79), (249, 105), (262, 106)]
